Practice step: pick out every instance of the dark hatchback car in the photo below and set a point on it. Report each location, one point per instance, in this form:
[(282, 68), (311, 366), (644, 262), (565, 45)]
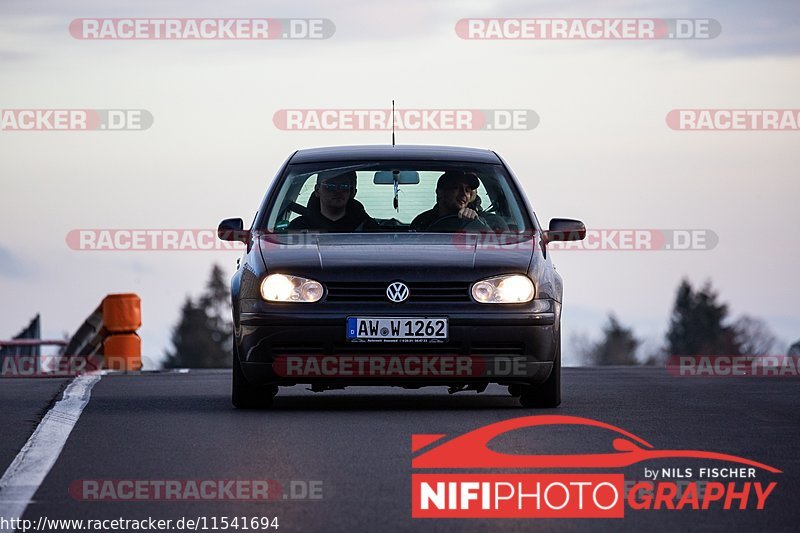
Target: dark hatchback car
[(404, 289)]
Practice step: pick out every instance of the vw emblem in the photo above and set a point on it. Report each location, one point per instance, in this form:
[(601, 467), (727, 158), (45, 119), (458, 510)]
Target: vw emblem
[(397, 292)]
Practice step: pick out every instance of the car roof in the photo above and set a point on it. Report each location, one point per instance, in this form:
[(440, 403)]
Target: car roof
[(402, 152)]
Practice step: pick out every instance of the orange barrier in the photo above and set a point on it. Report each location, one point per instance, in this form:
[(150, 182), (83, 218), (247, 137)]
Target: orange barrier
[(122, 316), (110, 331)]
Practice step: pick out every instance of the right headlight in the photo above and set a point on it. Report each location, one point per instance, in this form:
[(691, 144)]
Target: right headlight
[(286, 288), (508, 289)]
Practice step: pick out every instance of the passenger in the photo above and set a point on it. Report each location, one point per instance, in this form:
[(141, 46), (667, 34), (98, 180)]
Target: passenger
[(333, 207), (496, 222), (454, 191)]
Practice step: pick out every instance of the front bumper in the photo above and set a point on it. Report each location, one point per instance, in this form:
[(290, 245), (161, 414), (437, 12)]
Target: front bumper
[(289, 345)]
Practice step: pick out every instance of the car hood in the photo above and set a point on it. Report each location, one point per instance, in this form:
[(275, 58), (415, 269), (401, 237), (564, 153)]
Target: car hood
[(390, 256)]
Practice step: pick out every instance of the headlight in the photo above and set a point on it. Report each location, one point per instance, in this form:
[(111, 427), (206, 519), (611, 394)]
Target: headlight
[(510, 289), (285, 288)]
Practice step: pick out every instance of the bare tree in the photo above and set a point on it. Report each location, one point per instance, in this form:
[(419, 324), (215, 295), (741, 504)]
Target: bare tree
[(753, 336)]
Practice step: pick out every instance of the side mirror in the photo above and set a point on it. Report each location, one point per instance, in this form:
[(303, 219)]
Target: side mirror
[(565, 229), (232, 229)]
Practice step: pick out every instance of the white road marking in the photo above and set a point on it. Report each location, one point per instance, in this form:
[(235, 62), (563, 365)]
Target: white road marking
[(29, 468)]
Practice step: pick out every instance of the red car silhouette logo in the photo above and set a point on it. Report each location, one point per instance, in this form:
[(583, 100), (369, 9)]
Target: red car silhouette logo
[(471, 450)]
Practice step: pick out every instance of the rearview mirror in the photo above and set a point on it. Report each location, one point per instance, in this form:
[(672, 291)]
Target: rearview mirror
[(232, 229), (565, 229), (404, 177)]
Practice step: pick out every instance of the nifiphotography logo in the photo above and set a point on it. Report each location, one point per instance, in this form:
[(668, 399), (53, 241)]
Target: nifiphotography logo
[(591, 488)]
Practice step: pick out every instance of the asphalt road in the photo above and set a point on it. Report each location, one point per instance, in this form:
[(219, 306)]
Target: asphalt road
[(352, 448), (23, 404)]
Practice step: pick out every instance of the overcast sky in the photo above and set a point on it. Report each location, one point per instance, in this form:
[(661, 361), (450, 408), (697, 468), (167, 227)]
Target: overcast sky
[(602, 151)]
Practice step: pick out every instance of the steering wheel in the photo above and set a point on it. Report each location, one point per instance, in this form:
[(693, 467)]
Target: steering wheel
[(455, 223)]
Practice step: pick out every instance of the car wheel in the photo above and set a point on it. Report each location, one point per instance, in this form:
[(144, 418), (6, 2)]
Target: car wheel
[(245, 395), (547, 394)]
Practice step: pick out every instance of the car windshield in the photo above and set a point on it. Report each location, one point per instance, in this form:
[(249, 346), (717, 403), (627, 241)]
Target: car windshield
[(401, 196)]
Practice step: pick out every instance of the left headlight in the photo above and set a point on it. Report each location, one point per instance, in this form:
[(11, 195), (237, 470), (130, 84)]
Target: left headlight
[(509, 289), (285, 288)]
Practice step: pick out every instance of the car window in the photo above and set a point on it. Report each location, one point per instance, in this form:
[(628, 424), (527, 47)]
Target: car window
[(497, 202), (412, 200)]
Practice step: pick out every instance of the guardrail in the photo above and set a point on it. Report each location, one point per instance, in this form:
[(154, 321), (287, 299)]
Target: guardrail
[(106, 339), (33, 342)]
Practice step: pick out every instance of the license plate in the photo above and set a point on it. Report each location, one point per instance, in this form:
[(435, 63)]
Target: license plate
[(397, 329)]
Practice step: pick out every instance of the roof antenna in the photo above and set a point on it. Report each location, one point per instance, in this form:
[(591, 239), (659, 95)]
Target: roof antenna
[(392, 122)]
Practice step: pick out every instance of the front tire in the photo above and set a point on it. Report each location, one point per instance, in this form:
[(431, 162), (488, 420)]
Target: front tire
[(548, 394), (244, 395)]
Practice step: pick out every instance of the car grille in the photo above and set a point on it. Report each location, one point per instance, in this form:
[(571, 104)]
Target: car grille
[(448, 291)]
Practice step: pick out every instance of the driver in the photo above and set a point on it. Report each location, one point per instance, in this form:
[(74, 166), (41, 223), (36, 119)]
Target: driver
[(333, 207), (454, 191)]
